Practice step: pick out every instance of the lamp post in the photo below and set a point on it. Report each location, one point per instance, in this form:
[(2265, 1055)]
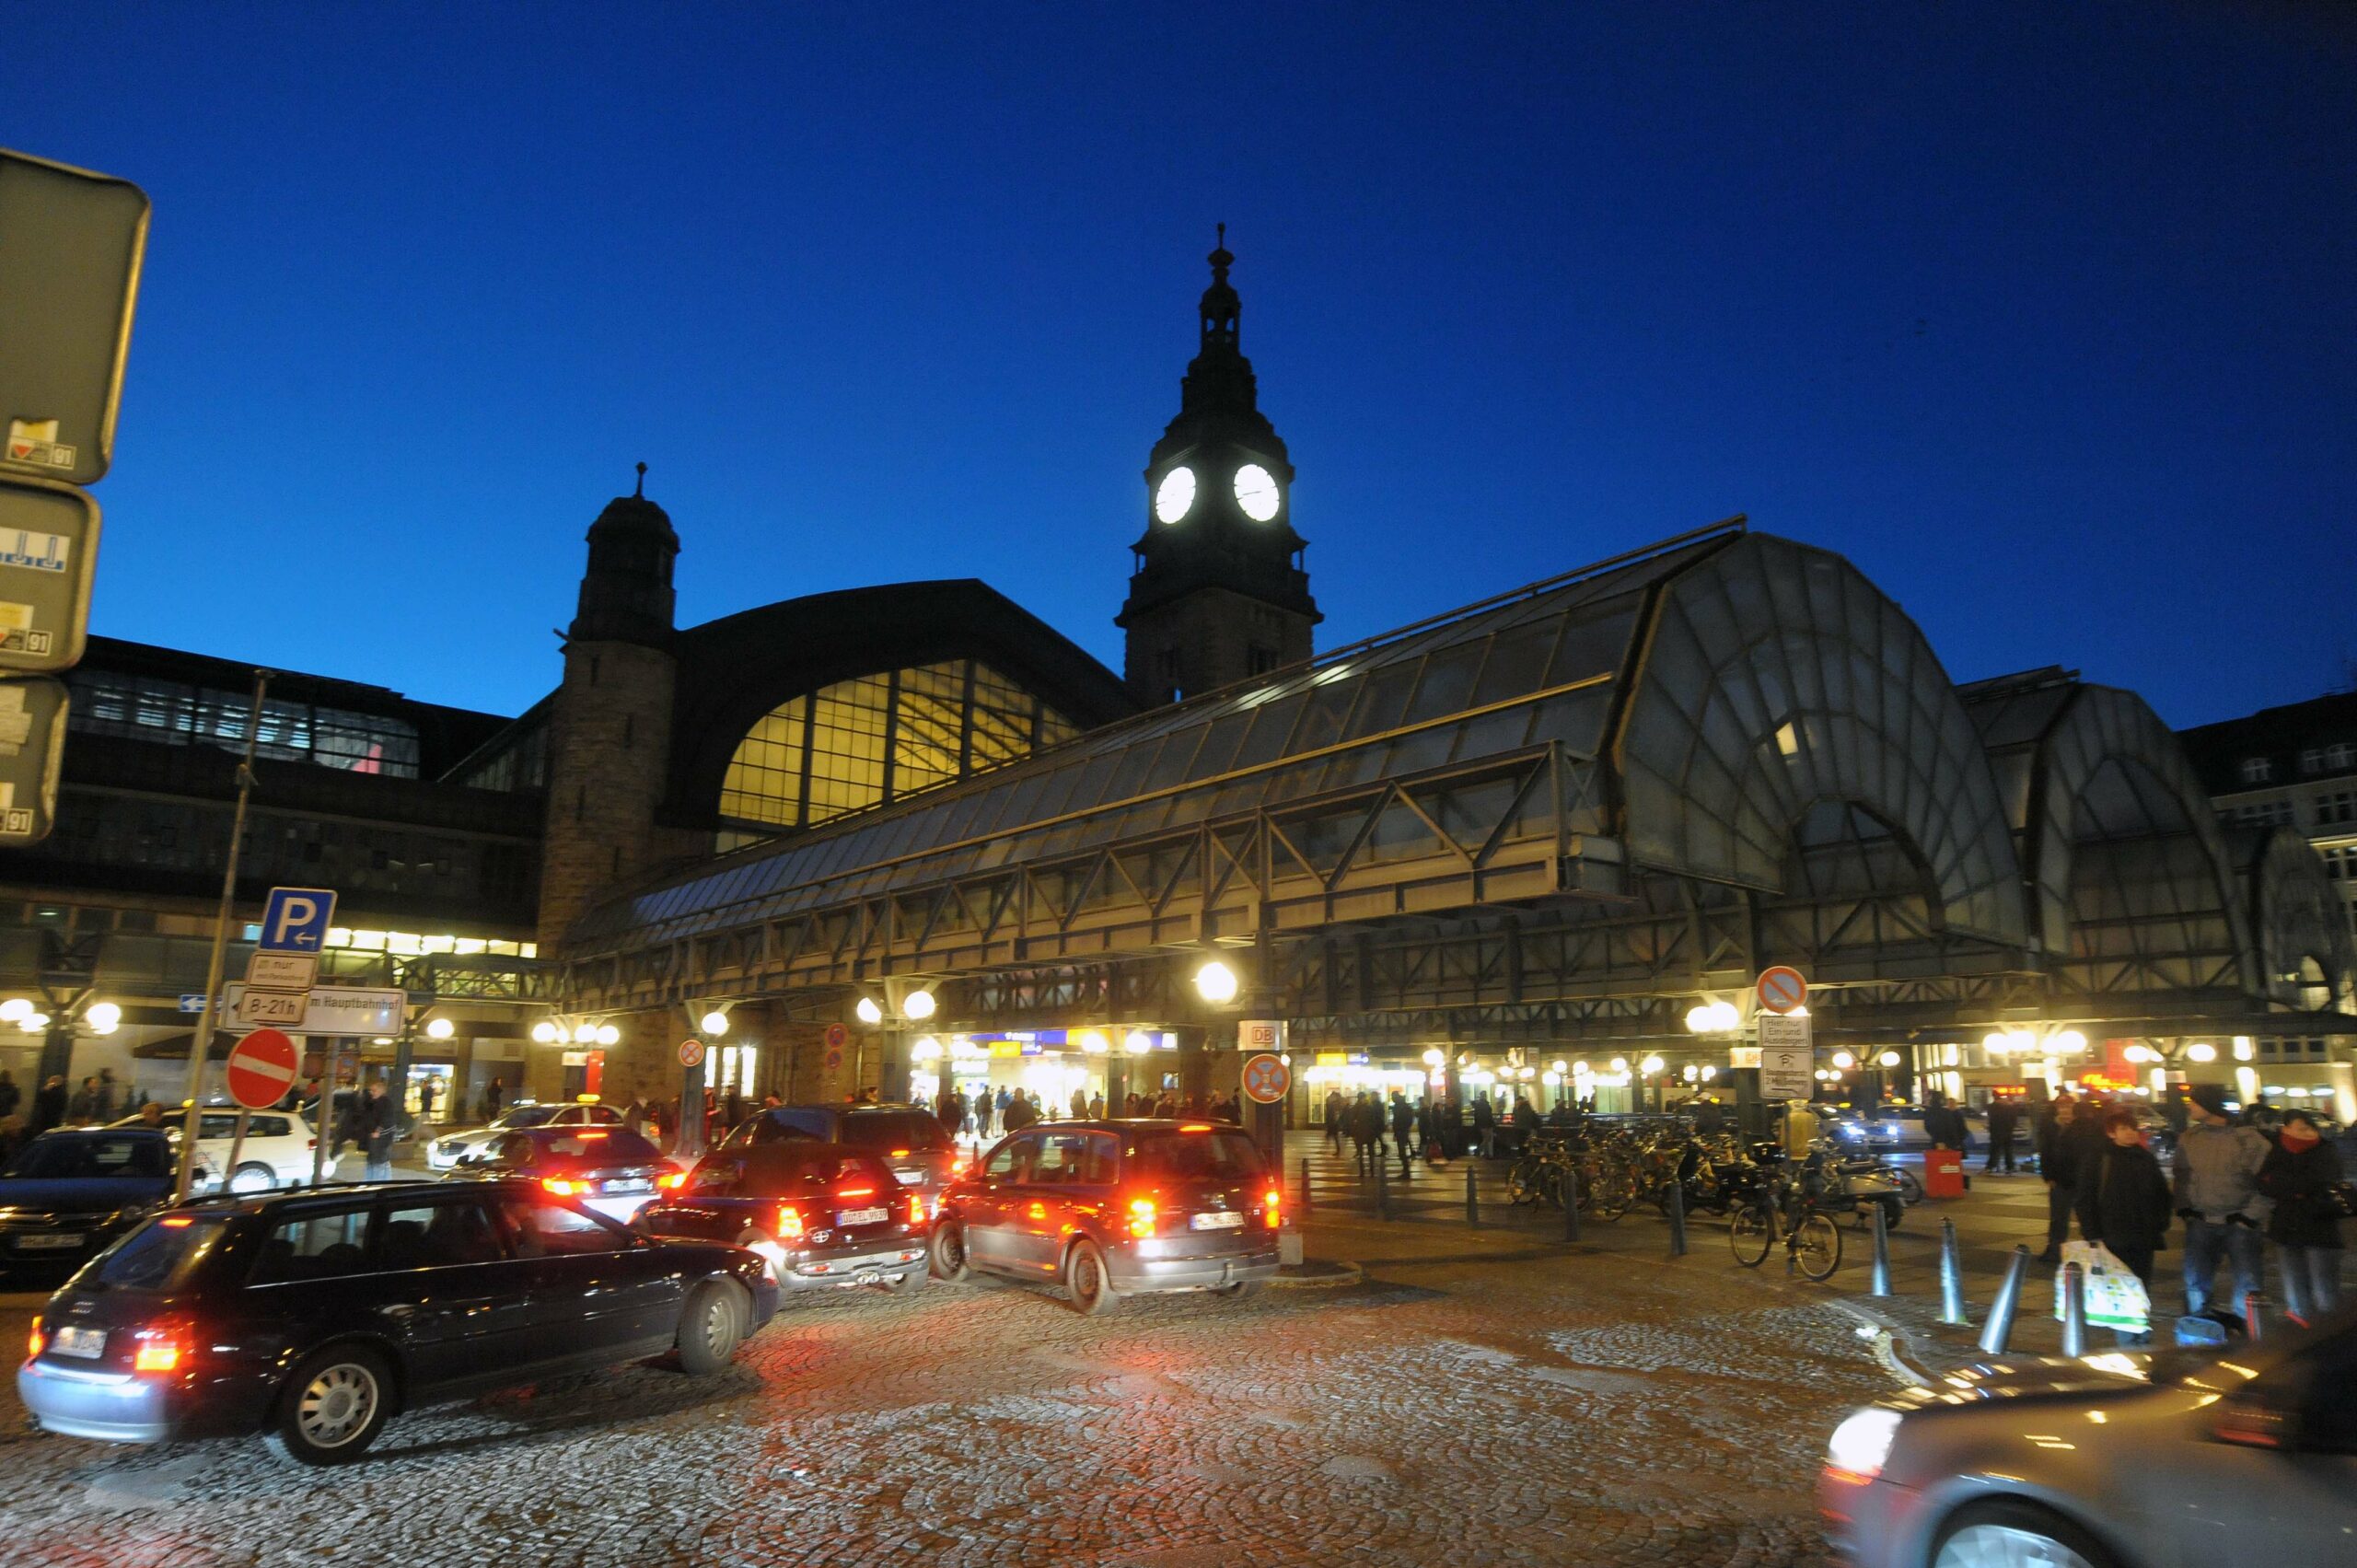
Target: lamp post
[(59, 1022), (892, 1016)]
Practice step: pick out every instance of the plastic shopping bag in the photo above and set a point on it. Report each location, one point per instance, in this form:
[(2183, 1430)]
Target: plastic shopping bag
[(2116, 1298)]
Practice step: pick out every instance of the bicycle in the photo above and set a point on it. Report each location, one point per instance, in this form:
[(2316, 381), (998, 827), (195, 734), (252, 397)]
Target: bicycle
[(1788, 1212)]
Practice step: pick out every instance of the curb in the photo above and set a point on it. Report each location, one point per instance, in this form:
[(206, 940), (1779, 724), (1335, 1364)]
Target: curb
[(1317, 1275)]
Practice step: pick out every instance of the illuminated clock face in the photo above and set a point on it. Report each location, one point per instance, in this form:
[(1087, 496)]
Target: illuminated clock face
[(1256, 491), (1174, 495)]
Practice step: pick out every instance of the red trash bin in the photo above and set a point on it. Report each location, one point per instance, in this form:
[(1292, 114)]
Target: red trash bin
[(1943, 1173)]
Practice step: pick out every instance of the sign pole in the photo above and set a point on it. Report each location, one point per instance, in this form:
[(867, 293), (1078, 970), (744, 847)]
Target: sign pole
[(323, 1116), (200, 1041), (236, 1148)]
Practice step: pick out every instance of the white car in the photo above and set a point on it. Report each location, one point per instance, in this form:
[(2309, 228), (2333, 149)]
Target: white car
[(276, 1152), (445, 1152)]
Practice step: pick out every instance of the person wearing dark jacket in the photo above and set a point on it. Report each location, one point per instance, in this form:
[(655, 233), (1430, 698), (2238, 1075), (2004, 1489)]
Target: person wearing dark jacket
[(2003, 1115), (1485, 1124), (2057, 1163), (1367, 1132), (1403, 1129), (2124, 1200), (2300, 1173)]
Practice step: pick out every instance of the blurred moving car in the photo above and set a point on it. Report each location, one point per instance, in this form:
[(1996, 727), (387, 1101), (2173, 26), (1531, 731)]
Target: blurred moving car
[(822, 1216), (923, 1154), (314, 1316), (611, 1169), (445, 1152), (2174, 1460), (1115, 1208), (277, 1151), (72, 1191)]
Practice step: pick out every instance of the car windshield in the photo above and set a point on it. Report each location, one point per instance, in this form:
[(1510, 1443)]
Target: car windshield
[(895, 1131), (596, 1146), (162, 1254), (1193, 1157), (64, 1159), (526, 1116)]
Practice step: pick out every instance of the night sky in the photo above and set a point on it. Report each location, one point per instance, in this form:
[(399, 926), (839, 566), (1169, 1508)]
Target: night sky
[(2041, 314)]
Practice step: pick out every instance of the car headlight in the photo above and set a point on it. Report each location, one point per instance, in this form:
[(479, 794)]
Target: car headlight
[(1860, 1444)]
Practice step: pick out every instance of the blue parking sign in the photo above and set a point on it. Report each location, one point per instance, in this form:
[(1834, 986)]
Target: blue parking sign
[(295, 919)]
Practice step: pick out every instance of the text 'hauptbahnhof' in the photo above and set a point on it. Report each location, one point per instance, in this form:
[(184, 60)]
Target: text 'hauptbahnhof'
[(896, 835)]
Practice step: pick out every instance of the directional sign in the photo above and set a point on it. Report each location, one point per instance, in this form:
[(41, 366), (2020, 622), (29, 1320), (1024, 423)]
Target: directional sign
[(295, 919), (281, 971), (192, 1002), (1267, 1079), (33, 748), (1786, 1058), (1781, 989), (70, 248), (691, 1053), (322, 1010), (262, 1069), (49, 552)]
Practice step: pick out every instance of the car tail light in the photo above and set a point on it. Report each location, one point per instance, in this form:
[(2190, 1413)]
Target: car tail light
[(34, 1343), (163, 1348), (563, 1188), (1272, 1208), (959, 1163), (672, 1183), (842, 1192), (1142, 1217), (916, 1208), (899, 1154), (1194, 1127), (789, 1222)]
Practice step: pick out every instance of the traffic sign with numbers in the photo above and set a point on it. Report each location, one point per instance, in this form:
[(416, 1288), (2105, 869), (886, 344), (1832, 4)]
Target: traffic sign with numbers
[(32, 749), (70, 244)]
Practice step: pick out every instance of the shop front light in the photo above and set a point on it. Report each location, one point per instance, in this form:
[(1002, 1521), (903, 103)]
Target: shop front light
[(1215, 983)]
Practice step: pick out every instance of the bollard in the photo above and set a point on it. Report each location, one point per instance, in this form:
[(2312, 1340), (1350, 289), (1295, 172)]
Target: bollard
[(1951, 1276), (1677, 1219), (1472, 1198), (1880, 1284), (1571, 1203), (2254, 1316), (2075, 1310), (2000, 1327), (1382, 1189), (1305, 1184)]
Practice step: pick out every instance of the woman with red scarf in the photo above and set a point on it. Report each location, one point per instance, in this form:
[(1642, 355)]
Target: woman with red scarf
[(2299, 1174)]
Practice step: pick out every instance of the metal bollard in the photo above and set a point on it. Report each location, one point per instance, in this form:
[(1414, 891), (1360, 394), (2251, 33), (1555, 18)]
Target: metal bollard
[(1951, 1276), (1305, 1205), (1677, 1219), (2000, 1327), (2075, 1310), (1880, 1284), (2254, 1316), (1472, 1198), (1571, 1203)]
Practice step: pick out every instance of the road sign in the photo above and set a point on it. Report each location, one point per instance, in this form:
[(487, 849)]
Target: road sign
[(295, 919), (70, 248), (691, 1053), (262, 1069), (837, 1036), (33, 748), (281, 971), (1786, 1058), (49, 552), (322, 1010), (1781, 989), (192, 1002), (1266, 1079)]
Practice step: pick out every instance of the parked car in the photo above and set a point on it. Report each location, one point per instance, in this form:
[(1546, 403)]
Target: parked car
[(824, 1216), (1115, 1208), (2183, 1459), (314, 1316), (611, 1169), (72, 1191), (445, 1152), (923, 1154), (276, 1152)]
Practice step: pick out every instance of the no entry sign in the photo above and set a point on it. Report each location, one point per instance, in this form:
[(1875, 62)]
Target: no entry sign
[(262, 1069), (1266, 1079), (1781, 989)]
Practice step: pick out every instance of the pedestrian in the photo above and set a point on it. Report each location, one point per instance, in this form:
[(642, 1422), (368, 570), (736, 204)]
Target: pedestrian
[(949, 1108), (2216, 1193), (9, 1094), (2124, 1204), (1004, 1100), (1943, 1123), (1367, 1132), (2002, 1117), (380, 1125), (2299, 1176), (1019, 1112), (49, 1105), (1485, 1125), (107, 1100), (982, 1112), (2057, 1167), (86, 1106), (1403, 1129), (495, 1095), (732, 1107), (429, 1090), (1096, 1108), (1335, 1105), (1079, 1104)]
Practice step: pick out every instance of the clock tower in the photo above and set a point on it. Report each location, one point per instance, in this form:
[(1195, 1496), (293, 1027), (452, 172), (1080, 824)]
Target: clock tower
[(1219, 593)]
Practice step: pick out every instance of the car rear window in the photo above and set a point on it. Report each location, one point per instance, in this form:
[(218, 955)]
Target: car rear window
[(164, 1254), (596, 1145), (782, 1171), (1194, 1156), (894, 1130), (61, 1159)]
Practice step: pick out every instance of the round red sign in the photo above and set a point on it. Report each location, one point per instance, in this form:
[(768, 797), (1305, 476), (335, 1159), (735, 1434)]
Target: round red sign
[(691, 1053), (1781, 989), (1266, 1079), (262, 1069)]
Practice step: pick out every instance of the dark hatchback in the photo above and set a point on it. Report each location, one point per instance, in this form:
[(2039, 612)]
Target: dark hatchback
[(314, 1316), (1116, 1208), (823, 1214), (611, 1169), (70, 1192), (922, 1153)]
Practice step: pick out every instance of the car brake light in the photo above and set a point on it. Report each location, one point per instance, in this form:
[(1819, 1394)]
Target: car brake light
[(160, 1349), (1195, 1127), (958, 1163), (916, 1208), (591, 1132), (899, 1154), (1272, 1204), (1142, 1217), (854, 1191), (178, 1221), (33, 1344), (672, 1183), (562, 1188), (789, 1222)]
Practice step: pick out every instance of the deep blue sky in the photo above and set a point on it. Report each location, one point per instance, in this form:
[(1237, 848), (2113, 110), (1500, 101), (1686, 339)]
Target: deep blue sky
[(2042, 314)]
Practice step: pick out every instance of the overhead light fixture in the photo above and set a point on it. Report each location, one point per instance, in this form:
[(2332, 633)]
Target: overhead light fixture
[(716, 1023), (1215, 983), (1888, 1058), (1843, 1060), (544, 1032), (1619, 1065), (1652, 1065), (924, 1048), (35, 1022), (2069, 1042), (1434, 1056), (918, 1004), (104, 1017), (869, 1013), (2201, 1050), (440, 1028), (15, 1010), (1137, 1042), (1709, 1073), (608, 1034)]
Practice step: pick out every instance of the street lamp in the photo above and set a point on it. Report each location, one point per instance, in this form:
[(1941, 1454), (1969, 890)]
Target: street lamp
[(1137, 1042), (1215, 983), (868, 1010), (2201, 1050), (440, 1028), (918, 1004), (1844, 1061), (545, 1032), (1888, 1058), (1652, 1065), (716, 1023)]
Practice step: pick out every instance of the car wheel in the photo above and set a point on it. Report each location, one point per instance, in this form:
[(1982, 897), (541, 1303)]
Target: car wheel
[(709, 1330), (907, 1280), (332, 1406), (1084, 1277), (948, 1253), (2016, 1535), (1242, 1290), (252, 1177)]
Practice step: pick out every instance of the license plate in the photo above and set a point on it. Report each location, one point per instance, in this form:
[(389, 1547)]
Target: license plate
[(860, 1216), (86, 1343), (635, 1185), (867, 1276), (1227, 1219), (44, 1242)]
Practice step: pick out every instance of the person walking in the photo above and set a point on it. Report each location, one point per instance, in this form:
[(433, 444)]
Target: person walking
[(982, 1113), (1485, 1125), (49, 1105), (1335, 1108), (1403, 1130), (2298, 1177), (2057, 1167), (2216, 1193), (1367, 1132), (2124, 1205), (2002, 1116), (1019, 1112), (379, 1127)]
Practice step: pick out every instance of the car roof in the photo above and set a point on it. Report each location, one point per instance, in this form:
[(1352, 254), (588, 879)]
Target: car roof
[(157, 1132)]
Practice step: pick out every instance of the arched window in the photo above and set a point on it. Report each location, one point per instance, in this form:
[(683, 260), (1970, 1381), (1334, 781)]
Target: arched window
[(876, 737)]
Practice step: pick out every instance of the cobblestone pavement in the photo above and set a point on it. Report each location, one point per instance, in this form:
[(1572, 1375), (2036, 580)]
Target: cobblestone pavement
[(1481, 1396)]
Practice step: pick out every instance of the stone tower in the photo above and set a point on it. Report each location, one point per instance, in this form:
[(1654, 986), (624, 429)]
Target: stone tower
[(609, 734), (1219, 593)]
